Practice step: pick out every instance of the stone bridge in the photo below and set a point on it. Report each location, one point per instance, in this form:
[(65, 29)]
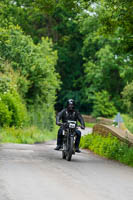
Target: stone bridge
[(104, 126), (122, 135)]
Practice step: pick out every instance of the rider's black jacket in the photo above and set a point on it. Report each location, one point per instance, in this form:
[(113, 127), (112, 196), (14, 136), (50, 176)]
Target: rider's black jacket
[(65, 115)]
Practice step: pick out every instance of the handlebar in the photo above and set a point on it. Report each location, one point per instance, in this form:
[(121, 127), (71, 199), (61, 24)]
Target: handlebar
[(65, 125)]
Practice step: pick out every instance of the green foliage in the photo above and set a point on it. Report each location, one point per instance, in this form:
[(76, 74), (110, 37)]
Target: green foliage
[(5, 114), (88, 61), (4, 84), (128, 98), (102, 62), (90, 125), (109, 147), (128, 121), (34, 62), (102, 105), (15, 107), (7, 77), (12, 111), (29, 135), (94, 44), (33, 72), (116, 16), (56, 20), (42, 117)]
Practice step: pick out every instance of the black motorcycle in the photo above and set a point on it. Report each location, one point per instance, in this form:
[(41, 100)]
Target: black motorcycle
[(69, 137)]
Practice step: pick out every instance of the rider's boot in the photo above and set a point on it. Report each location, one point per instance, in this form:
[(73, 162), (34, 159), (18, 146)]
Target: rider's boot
[(77, 150), (58, 147)]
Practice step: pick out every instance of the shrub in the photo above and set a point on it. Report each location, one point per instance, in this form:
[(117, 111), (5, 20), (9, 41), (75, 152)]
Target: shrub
[(128, 120), (14, 103), (109, 147), (13, 111), (5, 114), (25, 135), (128, 98)]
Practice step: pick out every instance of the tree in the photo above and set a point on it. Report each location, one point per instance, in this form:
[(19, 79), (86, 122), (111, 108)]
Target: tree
[(104, 63), (57, 20), (103, 106), (35, 64), (117, 16)]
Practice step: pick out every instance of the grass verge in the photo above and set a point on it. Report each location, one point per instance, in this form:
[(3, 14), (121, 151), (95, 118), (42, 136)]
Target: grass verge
[(29, 135), (90, 125), (128, 122), (109, 147)]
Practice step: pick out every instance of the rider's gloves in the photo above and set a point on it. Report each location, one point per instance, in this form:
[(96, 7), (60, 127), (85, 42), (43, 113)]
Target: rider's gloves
[(59, 124), (82, 127)]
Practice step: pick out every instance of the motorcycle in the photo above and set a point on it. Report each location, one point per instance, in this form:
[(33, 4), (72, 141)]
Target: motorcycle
[(69, 137)]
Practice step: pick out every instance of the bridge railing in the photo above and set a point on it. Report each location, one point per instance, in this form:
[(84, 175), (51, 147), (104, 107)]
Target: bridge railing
[(104, 126), (122, 135)]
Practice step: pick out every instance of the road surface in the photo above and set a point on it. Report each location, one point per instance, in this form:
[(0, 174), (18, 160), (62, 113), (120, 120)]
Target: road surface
[(37, 172)]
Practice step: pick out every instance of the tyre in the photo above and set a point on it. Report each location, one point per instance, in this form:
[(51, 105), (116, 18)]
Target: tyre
[(68, 156), (70, 150), (63, 154)]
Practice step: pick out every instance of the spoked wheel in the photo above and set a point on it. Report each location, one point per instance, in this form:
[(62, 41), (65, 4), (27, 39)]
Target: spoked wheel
[(63, 154), (70, 150)]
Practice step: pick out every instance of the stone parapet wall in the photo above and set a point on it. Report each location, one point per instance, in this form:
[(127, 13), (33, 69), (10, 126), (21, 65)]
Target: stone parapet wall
[(89, 119), (101, 120), (104, 130)]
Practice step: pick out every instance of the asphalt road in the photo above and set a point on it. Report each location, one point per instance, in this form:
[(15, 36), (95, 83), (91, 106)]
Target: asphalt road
[(37, 172)]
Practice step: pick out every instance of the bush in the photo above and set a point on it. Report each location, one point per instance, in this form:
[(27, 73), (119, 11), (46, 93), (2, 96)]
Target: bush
[(128, 120), (12, 111), (14, 103), (28, 135), (128, 98), (109, 147), (5, 114), (103, 106)]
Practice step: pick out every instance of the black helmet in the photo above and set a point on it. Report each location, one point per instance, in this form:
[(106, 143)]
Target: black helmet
[(70, 104)]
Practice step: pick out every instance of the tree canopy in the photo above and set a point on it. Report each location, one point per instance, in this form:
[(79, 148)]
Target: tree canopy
[(69, 49)]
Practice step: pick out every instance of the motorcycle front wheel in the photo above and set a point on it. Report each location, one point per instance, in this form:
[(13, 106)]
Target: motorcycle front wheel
[(63, 154), (70, 149)]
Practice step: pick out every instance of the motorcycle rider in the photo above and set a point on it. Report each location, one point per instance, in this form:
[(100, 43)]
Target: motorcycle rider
[(69, 113)]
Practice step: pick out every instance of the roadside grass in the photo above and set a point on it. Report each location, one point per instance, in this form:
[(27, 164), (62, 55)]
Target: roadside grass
[(109, 147), (128, 122), (90, 125), (28, 135)]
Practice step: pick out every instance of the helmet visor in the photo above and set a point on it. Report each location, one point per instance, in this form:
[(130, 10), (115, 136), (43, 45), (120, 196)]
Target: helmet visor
[(70, 107)]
